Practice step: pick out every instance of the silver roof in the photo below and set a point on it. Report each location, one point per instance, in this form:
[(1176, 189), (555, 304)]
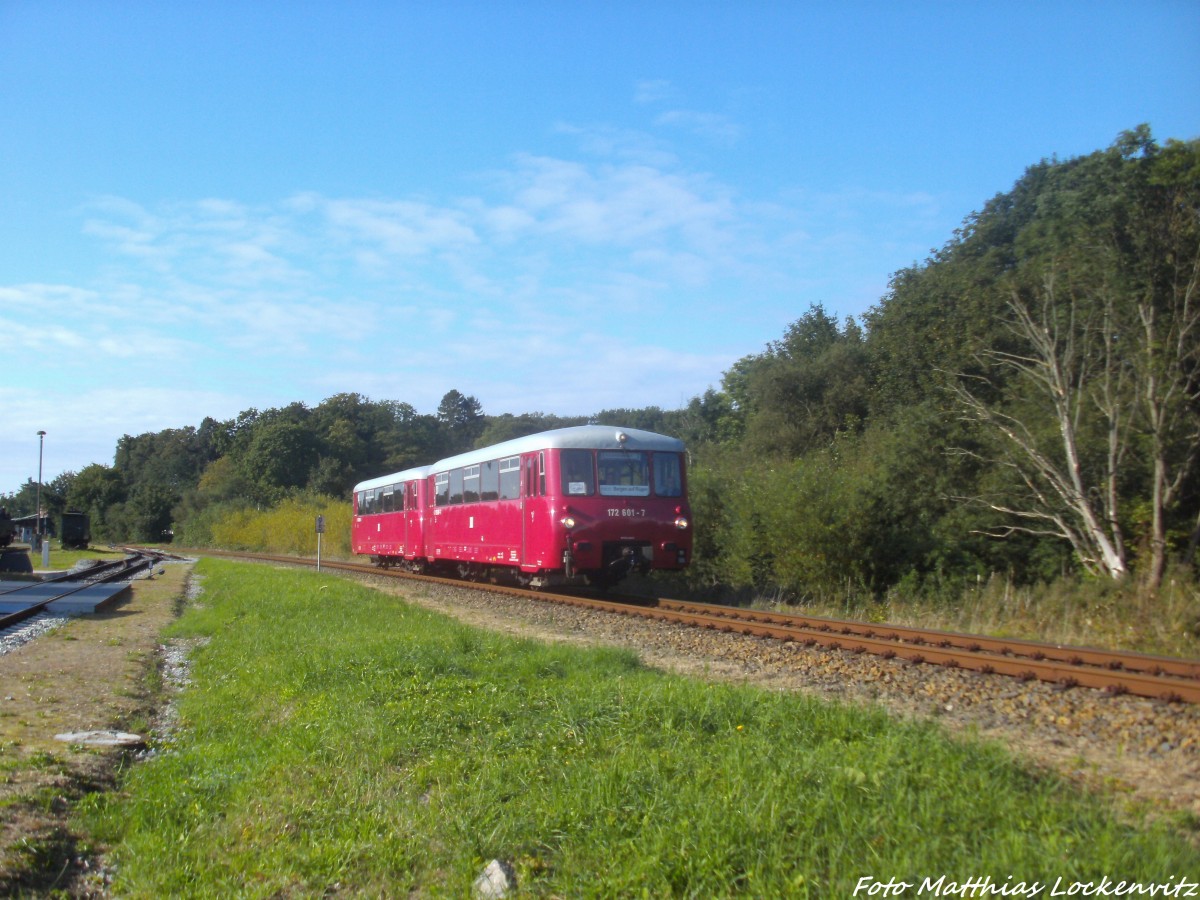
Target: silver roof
[(384, 480), (586, 437)]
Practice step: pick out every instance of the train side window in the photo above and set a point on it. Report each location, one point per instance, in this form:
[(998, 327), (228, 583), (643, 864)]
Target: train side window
[(471, 484), (578, 479), (456, 486), (668, 475), (377, 501), (489, 480), (389, 499), (442, 489), (412, 495), (541, 465), (510, 478)]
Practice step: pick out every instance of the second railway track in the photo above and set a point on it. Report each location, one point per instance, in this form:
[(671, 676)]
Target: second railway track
[(21, 600)]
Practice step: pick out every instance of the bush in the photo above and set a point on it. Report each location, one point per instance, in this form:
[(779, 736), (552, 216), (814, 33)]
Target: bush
[(289, 527)]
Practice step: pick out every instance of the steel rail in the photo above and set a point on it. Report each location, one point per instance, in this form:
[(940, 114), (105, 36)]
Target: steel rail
[(27, 612), (1157, 677), (8, 620), (1065, 673), (108, 571), (924, 637)]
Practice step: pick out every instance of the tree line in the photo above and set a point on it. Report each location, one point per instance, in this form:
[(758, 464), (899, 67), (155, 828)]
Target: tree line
[(1026, 401)]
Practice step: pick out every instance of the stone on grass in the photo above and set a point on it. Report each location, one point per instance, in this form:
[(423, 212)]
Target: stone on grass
[(102, 738), (496, 881)]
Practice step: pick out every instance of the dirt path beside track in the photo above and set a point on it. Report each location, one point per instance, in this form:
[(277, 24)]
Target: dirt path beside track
[(93, 673)]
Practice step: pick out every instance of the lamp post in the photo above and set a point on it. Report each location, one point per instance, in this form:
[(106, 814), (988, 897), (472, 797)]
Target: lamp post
[(38, 512)]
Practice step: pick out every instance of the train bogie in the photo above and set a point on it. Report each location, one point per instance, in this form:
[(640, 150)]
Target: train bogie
[(589, 503)]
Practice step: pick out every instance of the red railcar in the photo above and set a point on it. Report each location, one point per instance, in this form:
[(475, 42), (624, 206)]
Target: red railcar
[(389, 518), (588, 503)]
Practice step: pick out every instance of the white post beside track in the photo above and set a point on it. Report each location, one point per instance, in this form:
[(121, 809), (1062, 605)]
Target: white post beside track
[(320, 531)]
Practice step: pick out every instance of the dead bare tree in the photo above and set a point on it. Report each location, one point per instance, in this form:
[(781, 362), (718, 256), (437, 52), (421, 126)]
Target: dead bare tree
[(1097, 399), (1072, 381)]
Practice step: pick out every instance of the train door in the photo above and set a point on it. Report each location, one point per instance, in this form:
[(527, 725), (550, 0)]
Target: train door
[(414, 534), (389, 527), (533, 528), (527, 512), (404, 508)]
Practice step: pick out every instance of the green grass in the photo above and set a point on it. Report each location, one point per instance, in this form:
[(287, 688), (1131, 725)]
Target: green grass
[(1090, 612), (337, 740), (65, 559)]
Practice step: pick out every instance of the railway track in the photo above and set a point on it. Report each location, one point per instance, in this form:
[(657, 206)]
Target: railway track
[(1116, 672)]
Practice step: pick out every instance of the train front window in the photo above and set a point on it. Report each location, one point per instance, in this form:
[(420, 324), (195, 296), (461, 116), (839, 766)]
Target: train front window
[(668, 475), (623, 473), (578, 479)]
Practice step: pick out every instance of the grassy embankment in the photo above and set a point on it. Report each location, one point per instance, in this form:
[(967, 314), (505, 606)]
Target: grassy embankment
[(1071, 611), (335, 739)]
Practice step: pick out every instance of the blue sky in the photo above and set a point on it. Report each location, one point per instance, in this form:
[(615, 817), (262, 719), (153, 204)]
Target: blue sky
[(551, 206)]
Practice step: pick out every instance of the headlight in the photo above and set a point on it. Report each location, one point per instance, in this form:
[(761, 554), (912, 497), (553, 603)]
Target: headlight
[(568, 521), (681, 522)]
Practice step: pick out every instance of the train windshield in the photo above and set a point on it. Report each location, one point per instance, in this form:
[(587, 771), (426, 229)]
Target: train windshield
[(623, 473), (578, 479), (668, 475)]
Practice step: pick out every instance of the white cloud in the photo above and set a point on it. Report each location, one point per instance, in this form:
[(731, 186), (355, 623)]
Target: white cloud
[(563, 284), (73, 330), (712, 126), (621, 205), (653, 90), (609, 142), (401, 227), (82, 426), (506, 222)]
